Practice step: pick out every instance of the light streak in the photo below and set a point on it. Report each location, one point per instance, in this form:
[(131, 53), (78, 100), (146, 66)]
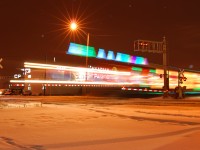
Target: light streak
[(76, 69), (104, 77), (69, 82)]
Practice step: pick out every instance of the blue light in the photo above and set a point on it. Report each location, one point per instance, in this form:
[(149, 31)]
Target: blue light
[(111, 55), (139, 60), (101, 54), (83, 50), (123, 57)]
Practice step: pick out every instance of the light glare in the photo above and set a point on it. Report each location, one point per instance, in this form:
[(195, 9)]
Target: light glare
[(73, 26)]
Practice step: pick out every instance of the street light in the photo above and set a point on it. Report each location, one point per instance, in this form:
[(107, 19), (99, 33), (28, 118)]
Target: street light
[(74, 27)]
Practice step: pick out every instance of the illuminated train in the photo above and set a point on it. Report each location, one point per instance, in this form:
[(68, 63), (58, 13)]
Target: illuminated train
[(51, 79)]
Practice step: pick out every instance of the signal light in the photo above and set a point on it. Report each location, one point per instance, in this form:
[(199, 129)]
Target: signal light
[(181, 79)]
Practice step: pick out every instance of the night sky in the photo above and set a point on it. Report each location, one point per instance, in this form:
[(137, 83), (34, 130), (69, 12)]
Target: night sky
[(36, 30)]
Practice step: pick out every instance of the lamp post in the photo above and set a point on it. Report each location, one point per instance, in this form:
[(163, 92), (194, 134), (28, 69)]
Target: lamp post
[(86, 62), (45, 71), (74, 27)]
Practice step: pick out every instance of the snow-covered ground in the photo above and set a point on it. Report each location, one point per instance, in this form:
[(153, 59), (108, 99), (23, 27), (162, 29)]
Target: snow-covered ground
[(89, 123)]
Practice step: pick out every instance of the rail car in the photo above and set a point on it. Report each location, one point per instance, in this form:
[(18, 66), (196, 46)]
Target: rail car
[(119, 70), (40, 76)]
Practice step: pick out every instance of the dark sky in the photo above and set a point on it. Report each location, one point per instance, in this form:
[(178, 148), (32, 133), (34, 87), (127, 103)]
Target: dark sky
[(33, 29)]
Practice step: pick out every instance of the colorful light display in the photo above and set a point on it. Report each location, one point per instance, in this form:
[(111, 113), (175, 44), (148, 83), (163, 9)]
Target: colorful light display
[(81, 50), (143, 69)]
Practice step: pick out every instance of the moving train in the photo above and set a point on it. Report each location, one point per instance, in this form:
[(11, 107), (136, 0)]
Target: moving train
[(40, 76), (134, 72)]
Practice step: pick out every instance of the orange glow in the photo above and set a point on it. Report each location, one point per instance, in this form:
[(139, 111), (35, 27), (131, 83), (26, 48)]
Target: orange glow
[(73, 26)]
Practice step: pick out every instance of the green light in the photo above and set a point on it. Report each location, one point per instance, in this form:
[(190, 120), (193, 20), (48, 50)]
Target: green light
[(136, 69), (144, 85), (81, 50), (152, 71), (196, 89), (156, 93), (192, 93)]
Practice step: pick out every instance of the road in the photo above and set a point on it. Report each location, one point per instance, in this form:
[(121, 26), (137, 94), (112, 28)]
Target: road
[(99, 123)]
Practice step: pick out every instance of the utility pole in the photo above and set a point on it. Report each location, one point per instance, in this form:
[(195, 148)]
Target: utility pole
[(43, 49), (165, 74), (45, 75)]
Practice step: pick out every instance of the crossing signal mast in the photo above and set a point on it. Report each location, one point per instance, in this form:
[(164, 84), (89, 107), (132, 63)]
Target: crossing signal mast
[(181, 77), (179, 90), (155, 47)]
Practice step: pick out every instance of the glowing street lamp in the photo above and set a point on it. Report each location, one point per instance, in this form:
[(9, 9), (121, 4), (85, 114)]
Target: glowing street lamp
[(73, 26)]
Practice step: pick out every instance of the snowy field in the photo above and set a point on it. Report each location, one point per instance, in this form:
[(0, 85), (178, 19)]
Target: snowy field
[(98, 123)]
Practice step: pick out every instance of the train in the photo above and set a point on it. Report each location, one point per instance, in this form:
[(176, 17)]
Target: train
[(41, 76), (110, 70)]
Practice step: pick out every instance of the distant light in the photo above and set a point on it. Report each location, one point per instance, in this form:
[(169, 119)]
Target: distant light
[(191, 66)]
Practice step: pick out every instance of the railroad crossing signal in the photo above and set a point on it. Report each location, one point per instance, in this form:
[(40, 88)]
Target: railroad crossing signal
[(1, 59), (181, 77)]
